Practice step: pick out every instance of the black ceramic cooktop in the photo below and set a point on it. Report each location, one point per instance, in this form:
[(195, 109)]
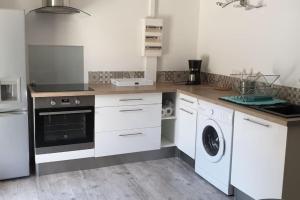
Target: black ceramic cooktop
[(61, 87), (283, 110)]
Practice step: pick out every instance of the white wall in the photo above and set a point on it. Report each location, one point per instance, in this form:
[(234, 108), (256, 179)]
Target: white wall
[(265, 39), (112, 36)]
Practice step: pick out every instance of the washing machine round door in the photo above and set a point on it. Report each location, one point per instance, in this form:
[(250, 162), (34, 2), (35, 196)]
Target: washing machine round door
[(213, 144)]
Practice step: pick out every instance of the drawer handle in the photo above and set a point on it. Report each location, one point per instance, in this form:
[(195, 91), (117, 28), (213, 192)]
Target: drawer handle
[(132, 99), (188, 101), (130, 134), (133, 110), (184, 110), (256, 122)]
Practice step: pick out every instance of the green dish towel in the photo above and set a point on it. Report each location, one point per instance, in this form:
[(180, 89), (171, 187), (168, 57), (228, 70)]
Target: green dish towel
[(239, 100)]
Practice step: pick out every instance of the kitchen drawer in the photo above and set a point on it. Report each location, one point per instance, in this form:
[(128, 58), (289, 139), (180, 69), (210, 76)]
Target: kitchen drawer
[(129, 141), (128, 99), (185, 100), (127, 117)]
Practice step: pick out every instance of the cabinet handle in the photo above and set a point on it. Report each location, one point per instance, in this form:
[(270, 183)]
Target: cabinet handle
[(256, 122), (133, 110), (188, 101), (132, 99), (186, 111), (130, 134)]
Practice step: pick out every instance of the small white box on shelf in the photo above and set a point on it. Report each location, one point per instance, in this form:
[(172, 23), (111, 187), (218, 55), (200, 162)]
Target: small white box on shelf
[(152, 37), (131, 82)]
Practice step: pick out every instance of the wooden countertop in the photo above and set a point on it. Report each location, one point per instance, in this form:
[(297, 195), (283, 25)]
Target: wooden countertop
[(211, 95), (111, 89), (203, 92)]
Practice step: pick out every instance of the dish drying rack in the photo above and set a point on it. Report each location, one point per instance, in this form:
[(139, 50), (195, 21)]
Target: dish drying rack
[(255, 87)]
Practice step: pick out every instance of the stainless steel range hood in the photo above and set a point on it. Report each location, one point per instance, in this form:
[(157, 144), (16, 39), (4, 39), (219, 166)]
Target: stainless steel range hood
[(58, 7)]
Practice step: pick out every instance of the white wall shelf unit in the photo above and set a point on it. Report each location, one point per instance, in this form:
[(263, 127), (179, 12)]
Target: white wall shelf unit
[(168, 122), (169, 105), (165, 142), (168, 133)]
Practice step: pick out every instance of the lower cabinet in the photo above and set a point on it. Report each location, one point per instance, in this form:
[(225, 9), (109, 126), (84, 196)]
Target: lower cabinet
[(186, 124), (127, 123), (259, 148), (127, 141)]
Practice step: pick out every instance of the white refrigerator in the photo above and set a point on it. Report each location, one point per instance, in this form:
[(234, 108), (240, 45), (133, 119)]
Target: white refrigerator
[(14, 144)]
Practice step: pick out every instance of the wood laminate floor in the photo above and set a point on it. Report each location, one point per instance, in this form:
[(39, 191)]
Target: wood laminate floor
[(169, 179)]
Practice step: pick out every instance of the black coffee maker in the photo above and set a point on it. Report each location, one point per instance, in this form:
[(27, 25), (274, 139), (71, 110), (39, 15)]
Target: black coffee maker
[(194, 72)]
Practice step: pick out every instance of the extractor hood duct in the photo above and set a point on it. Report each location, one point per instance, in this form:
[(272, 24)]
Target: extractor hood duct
[(58, 7)]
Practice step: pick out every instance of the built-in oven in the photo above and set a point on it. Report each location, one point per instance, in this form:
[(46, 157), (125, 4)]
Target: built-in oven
[(64, 124)]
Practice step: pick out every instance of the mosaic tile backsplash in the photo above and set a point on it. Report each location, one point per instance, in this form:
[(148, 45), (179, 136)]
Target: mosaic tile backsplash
[(104, 77), (290, 94)]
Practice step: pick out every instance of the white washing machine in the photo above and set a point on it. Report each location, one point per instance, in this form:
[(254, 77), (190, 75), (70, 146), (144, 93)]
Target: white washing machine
[(214, 145)]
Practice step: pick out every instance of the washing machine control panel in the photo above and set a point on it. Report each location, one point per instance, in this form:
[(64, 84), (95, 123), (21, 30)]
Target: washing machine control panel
[(215, 112)]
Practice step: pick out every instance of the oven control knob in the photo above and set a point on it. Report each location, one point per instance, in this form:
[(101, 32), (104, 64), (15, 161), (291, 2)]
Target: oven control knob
[(77, 101), (52, 102)]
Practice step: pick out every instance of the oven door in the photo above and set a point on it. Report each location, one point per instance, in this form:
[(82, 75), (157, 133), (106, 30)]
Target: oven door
[(64, 129)]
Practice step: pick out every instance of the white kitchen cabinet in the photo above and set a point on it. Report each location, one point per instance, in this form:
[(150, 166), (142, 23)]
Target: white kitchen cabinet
[(128, 99), (127, 123), (127, 117), (128, 141), (185, 100), (259, 148), (186, 125)]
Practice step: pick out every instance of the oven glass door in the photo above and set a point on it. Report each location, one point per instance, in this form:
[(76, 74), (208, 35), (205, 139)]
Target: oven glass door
[(64, 126)]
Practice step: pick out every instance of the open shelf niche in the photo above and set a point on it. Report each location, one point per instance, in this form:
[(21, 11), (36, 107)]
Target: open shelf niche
[(168, 122)]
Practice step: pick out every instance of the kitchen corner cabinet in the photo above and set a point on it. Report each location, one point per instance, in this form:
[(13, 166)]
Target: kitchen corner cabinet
[(186, 124), (258, 162)]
